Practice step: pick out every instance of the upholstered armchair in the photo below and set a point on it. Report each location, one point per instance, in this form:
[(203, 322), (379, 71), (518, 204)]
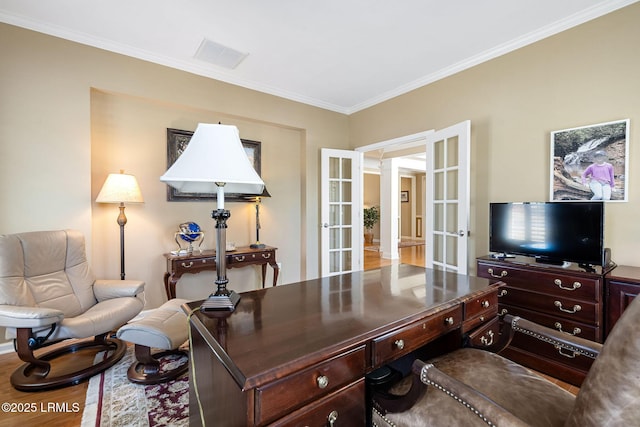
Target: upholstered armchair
[(49, 294), (470, 387)]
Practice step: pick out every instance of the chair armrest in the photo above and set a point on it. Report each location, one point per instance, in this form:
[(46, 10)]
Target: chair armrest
[(561, 340), (478, 403), (105, 289), (13, 316)]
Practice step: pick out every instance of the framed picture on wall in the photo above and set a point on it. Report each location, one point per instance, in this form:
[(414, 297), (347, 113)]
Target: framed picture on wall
[(177, 141), (404, 196), (590, 162)]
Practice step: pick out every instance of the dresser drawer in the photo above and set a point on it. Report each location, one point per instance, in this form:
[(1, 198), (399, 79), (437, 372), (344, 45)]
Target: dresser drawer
[(548, 351), (346, 407), (404, 340), (582, 330), (193, 265), (578, 311), (552, 283), (280, 397)]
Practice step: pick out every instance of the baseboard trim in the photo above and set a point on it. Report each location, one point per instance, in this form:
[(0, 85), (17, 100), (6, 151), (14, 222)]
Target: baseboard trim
[(6, 347)]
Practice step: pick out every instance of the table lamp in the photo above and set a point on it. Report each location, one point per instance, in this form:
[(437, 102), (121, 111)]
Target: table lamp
[(214, 162), (120, 188), (257, 198)]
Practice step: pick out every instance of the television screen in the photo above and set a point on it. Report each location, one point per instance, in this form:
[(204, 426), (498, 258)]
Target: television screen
[(553, 232)]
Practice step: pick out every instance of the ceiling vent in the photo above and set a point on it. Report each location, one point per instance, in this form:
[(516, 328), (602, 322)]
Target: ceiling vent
[(217, 54)]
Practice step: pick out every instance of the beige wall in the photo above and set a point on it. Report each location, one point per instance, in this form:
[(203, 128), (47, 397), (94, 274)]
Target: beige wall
[(71, 114), (583, 76)]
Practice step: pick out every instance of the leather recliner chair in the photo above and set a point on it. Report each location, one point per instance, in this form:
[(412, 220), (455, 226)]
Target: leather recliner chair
[(469, 387), (49, 294)]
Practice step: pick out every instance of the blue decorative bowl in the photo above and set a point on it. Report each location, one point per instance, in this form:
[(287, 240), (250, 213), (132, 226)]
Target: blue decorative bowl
[(189, 231)]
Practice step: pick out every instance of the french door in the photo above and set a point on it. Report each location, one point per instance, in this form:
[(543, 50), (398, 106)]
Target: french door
[(447, 198), (341, 211)]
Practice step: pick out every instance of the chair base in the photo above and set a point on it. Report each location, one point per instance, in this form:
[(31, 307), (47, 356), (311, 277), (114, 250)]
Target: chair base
[(29, 378), (146, 370)]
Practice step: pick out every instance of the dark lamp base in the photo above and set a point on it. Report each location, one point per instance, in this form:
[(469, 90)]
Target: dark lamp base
[(221, 302), (257, 246)]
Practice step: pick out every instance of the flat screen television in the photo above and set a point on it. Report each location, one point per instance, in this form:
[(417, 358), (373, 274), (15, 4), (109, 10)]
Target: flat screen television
[(552, 232)]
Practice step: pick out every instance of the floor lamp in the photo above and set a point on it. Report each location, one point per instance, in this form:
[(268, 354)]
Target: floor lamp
[(120, 188), (215, 162)]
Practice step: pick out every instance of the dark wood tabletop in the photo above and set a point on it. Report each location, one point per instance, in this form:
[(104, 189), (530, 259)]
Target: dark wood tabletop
[(278, 330)]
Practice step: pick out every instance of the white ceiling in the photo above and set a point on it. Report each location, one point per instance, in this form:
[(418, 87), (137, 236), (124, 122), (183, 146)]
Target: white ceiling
[(342, 55)]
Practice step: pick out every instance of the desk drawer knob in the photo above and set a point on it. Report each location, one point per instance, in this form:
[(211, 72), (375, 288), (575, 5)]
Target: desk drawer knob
[(399, 344), (322, 381), (485, 304), (448, 321), (332, 418)]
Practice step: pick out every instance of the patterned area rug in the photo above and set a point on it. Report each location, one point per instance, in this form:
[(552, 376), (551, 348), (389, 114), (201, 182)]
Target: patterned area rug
[(113, 401)]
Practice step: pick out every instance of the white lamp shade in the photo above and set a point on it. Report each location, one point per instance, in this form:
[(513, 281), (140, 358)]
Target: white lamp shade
[(120, 188), (214, 155)]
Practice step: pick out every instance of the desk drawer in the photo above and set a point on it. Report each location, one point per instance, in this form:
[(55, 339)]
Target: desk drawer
[(193, 265), (479, 310), (280, 397), (552, 283), (404, 340), (346, 407)]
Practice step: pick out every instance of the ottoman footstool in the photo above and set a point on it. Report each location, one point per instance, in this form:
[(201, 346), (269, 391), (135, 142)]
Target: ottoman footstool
[(164, 328)]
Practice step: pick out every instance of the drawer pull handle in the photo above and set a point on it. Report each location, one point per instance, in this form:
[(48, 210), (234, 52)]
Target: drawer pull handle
[(266, 256), (576, 331), (485, 341), (323, 381), (576, 308), (332, 418), (399, 344), (485, 304), (239, 258), (185, 265), (571, 355), (499, 276), (576, 285), (504, 311), (502, 293), (448, 321)]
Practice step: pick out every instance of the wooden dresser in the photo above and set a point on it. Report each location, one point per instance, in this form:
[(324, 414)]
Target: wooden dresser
[(622, 286), (298, 354), (568, 299)]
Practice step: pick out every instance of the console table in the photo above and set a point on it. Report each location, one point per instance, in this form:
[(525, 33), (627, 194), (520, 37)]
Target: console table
[(298, 354), (243, 256)]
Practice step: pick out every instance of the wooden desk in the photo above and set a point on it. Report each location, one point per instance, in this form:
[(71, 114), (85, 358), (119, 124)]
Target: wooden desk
[(243, 256), (295, 354)]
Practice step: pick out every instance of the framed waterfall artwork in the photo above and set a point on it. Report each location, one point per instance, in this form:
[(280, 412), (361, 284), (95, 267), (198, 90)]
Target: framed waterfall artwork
[(177, 141), (590, 162)]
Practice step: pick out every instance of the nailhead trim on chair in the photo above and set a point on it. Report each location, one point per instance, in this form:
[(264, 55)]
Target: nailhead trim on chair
[(424, 379), (555, 343), (384, 418)]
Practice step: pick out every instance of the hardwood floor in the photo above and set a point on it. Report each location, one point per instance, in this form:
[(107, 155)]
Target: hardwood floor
[(56, 408), (413, 255), (71, 399)]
